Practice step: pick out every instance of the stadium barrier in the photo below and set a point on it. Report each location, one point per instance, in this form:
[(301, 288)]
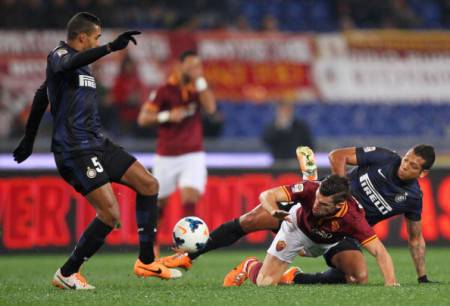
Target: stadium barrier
[(40, 212)]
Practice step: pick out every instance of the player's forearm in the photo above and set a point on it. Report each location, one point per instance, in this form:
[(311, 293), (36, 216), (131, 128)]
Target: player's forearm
[(84, 58), (38, 108), (208, 101), (147, 118), (268, 201), (337, 163), (386, 265), (417, 249)]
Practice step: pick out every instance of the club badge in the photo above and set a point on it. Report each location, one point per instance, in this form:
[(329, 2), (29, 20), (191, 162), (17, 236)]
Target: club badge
[(91, 173)]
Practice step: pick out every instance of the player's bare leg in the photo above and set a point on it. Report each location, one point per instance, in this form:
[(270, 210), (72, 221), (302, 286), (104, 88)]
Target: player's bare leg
[(108, 216), (146, 187), (189, 197)]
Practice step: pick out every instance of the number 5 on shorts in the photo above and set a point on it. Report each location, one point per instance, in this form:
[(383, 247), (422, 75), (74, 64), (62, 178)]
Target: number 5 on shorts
[(97, 164)]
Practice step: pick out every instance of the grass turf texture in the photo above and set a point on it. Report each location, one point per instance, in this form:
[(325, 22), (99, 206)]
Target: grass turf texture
[(25, 279)]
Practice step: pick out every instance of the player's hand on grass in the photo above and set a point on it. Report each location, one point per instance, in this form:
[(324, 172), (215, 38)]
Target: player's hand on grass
[(121, 42), (424, 280), (393, 284), (24, 149), (282, 215)]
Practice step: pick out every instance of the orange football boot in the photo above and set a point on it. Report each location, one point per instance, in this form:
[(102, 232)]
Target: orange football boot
[(155, 269), (288, 276), (177, 260), (238, 275)]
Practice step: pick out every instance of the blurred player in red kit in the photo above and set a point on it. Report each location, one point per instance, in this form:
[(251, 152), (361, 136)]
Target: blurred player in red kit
[(176, 108)]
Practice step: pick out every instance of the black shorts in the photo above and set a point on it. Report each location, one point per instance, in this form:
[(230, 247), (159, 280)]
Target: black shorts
[(344, 245), (90, 169)]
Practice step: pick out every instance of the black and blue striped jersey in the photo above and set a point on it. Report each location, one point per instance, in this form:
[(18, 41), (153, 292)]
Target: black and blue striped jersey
[(73, 99), (376, 186)]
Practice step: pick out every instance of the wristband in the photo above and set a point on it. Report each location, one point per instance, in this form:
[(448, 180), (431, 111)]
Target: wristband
[(201, 84), (163, 116)]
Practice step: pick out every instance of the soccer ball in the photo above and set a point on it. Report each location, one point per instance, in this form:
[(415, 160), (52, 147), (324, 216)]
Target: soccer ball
[(190, 234)]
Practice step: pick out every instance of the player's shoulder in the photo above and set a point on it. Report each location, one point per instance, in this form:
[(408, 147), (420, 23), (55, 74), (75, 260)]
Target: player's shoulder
[(304, 186), (355, 210)]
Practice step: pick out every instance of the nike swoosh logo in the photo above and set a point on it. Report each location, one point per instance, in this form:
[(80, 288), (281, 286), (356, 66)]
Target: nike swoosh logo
[(381, 173), (66, 284), (183, 230), (159, 271)]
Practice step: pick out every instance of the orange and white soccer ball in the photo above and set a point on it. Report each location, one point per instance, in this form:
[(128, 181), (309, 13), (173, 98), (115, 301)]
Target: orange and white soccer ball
[(190, 234)]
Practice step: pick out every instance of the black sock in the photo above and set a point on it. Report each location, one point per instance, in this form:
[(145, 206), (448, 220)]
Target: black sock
[(331, 276), (89, 243), (146, 219), (225, 235)]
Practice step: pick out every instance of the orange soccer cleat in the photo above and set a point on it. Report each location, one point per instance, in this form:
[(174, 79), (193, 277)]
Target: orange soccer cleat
[(155, 269), (288, 276), (307, 163), (238, 275), (178, 260)]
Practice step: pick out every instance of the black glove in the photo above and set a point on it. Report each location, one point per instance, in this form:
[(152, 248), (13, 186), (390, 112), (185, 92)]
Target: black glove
[(121, 42), (424, 279), (24, 149)]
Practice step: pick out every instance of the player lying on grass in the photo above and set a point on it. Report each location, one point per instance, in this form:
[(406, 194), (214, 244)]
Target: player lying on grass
[(327, 214), (383, 183)]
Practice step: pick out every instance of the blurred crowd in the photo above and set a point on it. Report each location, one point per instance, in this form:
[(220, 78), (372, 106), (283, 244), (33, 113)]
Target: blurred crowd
[(249, 15)]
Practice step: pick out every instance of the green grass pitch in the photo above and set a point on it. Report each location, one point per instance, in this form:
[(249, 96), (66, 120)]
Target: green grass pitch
[(25, 280)]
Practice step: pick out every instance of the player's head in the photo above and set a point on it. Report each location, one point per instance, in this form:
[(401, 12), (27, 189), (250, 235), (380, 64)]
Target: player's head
[(334, 190), (190, 66), (83, 31), (416, 162)]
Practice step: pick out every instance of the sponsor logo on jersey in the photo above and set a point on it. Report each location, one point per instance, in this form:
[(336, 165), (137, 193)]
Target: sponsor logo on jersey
[(297, 188), (61, 52), (281, 245), (321, 233), (91, 172), (401, 197), (86, 81), (369, 149), (380, 203), (381, 173)]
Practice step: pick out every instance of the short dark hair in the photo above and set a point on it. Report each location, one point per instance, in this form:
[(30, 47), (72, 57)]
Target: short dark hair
[(186, 54), (82, 22), (336, 186), (427, 153)]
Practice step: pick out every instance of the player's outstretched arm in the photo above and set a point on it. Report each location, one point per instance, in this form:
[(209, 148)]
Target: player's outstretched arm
[(417, 248), (86, 57), (384, 261), (40, 103), (340, 158), (269, 199)]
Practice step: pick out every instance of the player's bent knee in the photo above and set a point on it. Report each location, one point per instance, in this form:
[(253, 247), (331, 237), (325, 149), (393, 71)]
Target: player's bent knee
[(110, 217), (149, 186), (361, 277)]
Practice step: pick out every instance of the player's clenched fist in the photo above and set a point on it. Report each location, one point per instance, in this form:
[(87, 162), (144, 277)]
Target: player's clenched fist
[(121, 42)]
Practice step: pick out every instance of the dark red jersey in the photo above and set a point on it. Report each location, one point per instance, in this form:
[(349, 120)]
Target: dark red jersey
[(348, 221), (185, 136)]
